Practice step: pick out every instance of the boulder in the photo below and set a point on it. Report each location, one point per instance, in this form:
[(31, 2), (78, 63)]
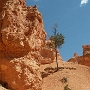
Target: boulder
[(20, 74)]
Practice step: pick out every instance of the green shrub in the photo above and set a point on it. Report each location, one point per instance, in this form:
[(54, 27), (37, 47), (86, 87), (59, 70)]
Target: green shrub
[(64, 80), (66, 87)]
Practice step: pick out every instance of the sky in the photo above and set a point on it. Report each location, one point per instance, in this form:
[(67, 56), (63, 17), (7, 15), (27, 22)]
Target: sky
[(73, 18)]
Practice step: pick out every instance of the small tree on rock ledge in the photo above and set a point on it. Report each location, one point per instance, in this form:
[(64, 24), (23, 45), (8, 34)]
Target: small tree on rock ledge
[(57, 39)]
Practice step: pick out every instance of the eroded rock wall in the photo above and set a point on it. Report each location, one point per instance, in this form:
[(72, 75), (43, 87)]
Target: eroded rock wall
[(23, 46), (20, 74), (22, 36), (21, 28)]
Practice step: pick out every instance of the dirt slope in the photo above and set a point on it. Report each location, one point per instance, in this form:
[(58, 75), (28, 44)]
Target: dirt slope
[(78, 77)]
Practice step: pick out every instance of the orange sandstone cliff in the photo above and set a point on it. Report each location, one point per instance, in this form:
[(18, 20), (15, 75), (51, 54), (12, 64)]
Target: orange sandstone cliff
[(21, 29), (23, 46)]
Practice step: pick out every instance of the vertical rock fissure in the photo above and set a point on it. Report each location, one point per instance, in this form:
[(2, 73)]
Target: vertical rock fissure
[(0, 30)]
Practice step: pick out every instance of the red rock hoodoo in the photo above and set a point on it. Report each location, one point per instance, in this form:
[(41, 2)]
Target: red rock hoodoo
[(84, 59)]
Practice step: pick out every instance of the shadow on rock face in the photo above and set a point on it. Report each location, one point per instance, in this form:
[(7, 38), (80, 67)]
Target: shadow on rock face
[(4, 84)]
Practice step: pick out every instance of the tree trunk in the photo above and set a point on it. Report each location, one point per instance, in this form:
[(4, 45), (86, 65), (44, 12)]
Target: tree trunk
[(56, 60)]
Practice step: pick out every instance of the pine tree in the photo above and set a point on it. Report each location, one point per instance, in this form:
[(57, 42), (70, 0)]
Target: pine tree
[(57, 39)]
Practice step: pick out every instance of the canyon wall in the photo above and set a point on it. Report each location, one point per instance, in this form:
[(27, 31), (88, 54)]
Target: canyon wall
[(21, 28), (23, 46), (21, 35)]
